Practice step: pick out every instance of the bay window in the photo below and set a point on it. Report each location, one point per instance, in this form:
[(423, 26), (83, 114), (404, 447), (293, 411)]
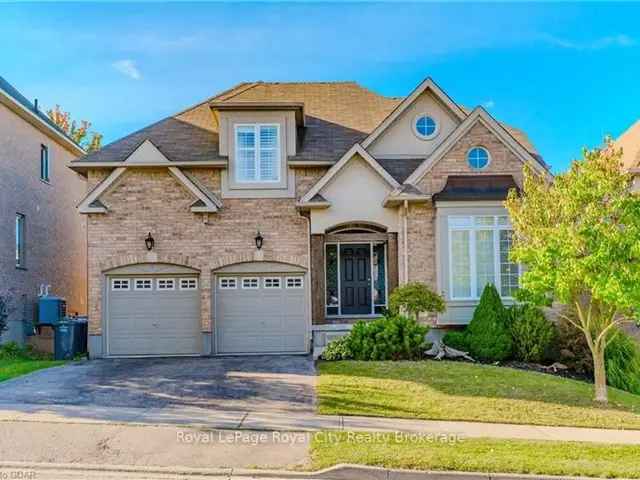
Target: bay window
[(257, 153), (479, 254)]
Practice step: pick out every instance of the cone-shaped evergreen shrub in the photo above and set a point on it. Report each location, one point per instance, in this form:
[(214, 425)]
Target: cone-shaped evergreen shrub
[(488, 335)]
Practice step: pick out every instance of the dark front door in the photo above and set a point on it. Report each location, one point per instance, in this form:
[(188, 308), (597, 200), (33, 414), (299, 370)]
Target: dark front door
[(355, 279)]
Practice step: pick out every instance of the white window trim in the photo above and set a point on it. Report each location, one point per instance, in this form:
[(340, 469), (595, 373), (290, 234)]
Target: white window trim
[(414, 126), (294, 281), (256, 155), (232, 283), (172, 280), (135, 284), (272, 279), (466, 157), (113, 283), (472, 229), (251, 279), (195, 286)]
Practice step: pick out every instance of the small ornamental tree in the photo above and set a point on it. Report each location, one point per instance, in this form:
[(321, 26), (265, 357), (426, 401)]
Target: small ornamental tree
[(579, 238), (487, 336), (415, 298)]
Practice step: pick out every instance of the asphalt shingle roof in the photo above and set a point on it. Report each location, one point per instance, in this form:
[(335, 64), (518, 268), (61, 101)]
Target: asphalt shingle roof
[(337, 115)]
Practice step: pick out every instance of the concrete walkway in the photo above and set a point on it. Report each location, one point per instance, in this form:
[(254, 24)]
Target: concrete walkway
[(300, 422)]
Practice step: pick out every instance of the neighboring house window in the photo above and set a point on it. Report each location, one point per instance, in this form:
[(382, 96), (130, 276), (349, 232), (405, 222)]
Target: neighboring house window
[(20, 240), (478, 158), (294, 282), (188, 283), (120, 284), (257, 153), (425, 126), (272, 282), (166, 284), (44, 163), (479, 254)]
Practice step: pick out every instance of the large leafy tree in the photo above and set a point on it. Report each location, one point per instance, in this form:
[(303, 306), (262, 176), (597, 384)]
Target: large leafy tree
[(78, 132), (579, 238)]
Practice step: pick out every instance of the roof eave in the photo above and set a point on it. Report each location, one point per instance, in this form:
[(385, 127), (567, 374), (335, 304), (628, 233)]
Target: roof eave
[(37, 122), (297, 107)]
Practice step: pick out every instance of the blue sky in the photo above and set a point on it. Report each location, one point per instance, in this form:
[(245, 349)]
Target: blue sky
[(566, 73)]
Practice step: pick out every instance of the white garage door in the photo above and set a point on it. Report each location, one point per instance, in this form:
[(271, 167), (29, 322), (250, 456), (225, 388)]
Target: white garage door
[(153, 315), (261, 313)]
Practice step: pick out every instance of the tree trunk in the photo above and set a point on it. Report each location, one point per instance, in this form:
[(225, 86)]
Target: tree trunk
[(599, 374)]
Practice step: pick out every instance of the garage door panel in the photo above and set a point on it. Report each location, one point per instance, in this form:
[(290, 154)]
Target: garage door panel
[(153, 322), (261, 320)]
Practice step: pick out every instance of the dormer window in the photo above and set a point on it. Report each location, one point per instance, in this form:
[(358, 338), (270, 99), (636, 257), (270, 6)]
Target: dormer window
[(257, 153)]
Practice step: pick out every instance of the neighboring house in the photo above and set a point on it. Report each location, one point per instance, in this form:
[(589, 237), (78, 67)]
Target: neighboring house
[(42, 236), (274, 215), (629, 142)]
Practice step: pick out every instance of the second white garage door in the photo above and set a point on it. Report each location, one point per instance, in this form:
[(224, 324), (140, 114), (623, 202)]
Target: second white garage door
[(261, 313)]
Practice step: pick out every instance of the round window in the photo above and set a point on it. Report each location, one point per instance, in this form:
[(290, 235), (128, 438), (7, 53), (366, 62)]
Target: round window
[(426, 126), (478, 158)]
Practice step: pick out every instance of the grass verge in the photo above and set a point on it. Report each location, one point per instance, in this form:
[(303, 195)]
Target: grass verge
[(463, 391), (476, 455), (16, 367)]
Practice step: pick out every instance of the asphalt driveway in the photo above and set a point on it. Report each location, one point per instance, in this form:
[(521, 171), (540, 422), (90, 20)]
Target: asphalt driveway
[(253, 383)]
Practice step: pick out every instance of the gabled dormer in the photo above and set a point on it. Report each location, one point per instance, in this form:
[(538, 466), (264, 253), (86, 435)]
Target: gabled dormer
[(258, 138)]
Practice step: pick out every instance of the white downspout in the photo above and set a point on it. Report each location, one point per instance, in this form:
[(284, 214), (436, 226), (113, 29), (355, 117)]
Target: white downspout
[(405, 240)]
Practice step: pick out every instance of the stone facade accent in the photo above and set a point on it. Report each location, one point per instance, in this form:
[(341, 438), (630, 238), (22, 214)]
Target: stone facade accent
[(55, 236), (151, 200)]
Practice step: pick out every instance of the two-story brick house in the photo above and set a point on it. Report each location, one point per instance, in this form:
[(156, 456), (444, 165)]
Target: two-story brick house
[(270, 217), (42, 236)]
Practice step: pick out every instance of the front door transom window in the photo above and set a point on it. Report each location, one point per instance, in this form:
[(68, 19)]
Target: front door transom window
[(356, 278)]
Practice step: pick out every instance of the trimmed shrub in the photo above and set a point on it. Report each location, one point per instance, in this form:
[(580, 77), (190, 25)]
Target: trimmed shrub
[(456, 339), (532, 333), (392, 337), (338, 349), (415, 298), (622, 361), (488, 334)]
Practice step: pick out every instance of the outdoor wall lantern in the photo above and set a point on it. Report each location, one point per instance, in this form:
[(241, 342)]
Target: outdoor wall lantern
[(259, 239), (149, 242)]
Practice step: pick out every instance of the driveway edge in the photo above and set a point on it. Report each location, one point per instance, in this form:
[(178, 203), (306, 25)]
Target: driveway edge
[(337, 472)]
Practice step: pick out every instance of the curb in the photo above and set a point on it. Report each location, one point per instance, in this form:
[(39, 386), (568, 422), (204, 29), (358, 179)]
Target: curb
[(337, 472)]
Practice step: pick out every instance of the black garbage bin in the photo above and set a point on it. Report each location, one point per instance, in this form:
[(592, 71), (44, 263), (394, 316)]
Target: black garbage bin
[(63, 340), (80, 335)]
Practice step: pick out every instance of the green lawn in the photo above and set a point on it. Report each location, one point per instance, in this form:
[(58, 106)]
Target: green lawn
[(462, 391), (16, 367), (477, 455)]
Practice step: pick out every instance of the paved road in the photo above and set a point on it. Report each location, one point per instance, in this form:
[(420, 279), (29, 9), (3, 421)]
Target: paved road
[(264, 383), (144, 446)]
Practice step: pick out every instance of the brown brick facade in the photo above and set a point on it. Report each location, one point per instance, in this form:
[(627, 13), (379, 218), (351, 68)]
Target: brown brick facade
[(151, 200), (55, 234), (503, 160)]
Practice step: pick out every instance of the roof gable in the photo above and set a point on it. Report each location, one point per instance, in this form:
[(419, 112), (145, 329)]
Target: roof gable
[(354, 152), (479, 114), (427, 85)]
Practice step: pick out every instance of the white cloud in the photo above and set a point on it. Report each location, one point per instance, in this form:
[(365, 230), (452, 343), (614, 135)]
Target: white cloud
[(619, 40), (128, 68), (489, 104)]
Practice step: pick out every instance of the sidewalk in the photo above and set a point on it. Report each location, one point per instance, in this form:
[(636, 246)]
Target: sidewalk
[(299, 422)]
